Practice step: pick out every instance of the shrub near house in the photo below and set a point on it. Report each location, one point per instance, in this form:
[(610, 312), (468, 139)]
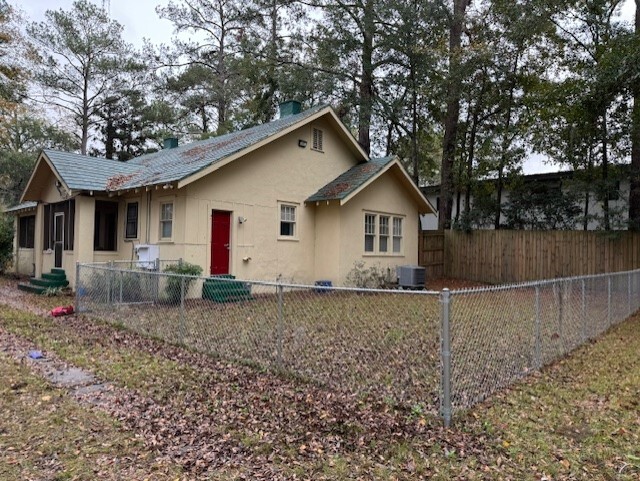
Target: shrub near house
[(6, 241)]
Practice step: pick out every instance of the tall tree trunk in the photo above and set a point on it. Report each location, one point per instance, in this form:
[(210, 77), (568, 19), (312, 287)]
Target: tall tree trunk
[(203, 117), (109, 147), (634, 193), (475, 122), (462, 164), (605, 171), (366, 82), (506, 143), (221, 72), (458, 188), (471, 158), (414, 126), (585, 222), (454, 89), (84, 139)]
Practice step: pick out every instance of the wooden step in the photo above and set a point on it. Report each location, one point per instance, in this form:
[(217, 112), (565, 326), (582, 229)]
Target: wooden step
[(49, 282), (23, 286), (222, 288), (54, 276)]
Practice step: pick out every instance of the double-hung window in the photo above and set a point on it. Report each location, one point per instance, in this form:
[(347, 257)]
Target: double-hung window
[(287, 220), (369, 232), (131, 227), (166, 220), (397, 235), (383, 244), (382, 234)]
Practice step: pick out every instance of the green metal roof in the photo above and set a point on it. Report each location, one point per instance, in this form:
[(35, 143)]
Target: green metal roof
[(81, 172), (22, 207), (349, 181), (169, 165)]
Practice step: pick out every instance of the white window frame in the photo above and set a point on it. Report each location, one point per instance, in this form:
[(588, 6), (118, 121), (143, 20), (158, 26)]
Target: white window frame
[(166, 220), (370, 233), (383, 234), (284, 211), (397, 243), (317, 139)]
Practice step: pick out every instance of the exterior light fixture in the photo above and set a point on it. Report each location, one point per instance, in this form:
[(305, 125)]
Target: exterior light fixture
[(302, 143)]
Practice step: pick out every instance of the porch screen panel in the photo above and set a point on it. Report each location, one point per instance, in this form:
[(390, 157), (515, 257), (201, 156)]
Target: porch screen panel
[(105, 226), (27, 226), (68, 208), (47, 227), (69, 220)]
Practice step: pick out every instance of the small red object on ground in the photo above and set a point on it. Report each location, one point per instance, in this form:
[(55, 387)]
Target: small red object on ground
[(62, 311)]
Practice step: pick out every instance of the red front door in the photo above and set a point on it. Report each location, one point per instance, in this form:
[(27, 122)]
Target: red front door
[(220, 241)]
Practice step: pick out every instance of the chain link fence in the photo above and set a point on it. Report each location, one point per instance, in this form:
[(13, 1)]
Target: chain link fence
[(378, 342), (428, 350)]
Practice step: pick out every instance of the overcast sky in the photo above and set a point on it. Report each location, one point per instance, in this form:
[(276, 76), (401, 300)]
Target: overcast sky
[(138, 17)]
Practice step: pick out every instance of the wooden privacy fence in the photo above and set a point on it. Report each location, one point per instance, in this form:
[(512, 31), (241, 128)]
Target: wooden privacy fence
[(431, 253), (504, 256)]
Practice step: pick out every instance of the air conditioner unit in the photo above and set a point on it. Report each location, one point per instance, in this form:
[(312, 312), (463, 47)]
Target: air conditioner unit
[(147, 255), (411, 277)]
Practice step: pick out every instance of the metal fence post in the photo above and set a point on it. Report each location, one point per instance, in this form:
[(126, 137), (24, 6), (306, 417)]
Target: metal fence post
[(558, 288), (538, 341), (182, 327), (109, 282), (445, 333), (156, 280), (609, 300), (121, 282), (634, 291), (280, 327), (629, 294), (584, 312), (78, 287)]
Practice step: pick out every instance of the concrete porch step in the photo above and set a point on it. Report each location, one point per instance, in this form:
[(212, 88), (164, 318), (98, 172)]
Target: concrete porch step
[(23, 286)]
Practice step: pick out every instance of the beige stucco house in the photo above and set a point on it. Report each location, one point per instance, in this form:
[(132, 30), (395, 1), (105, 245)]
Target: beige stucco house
[(296, 198)]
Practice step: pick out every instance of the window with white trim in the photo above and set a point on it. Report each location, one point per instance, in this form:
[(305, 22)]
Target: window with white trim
[(382, 234), (383, 244), (397, 235), (317, 139), (166, 220), (287, 220), (369, 233)]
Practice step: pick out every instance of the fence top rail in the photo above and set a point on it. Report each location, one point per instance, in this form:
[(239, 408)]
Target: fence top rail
[(107, 266), (104, 266), (541, 283)]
